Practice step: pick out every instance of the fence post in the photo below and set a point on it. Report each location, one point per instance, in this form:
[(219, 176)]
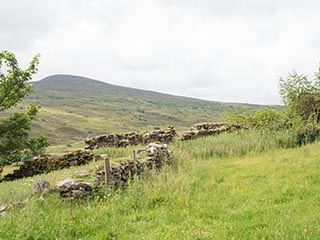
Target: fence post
[(134, 155), (107, 176), (161, 157)]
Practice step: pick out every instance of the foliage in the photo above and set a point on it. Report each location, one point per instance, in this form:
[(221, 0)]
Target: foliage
[(301, 96), (15, 144), (302, 116), (13, 79), (266, 119)]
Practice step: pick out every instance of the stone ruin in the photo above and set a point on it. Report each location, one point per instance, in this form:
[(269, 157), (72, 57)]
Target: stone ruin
[(47, 163), (132, 138), (206, 129), (154, 156)]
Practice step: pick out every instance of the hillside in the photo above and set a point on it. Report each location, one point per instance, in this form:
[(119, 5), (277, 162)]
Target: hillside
[(75, 107), (233, 186)]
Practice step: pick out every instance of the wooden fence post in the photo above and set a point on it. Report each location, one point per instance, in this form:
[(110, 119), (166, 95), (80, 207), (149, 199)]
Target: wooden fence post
[(134, 155), (107, 176)]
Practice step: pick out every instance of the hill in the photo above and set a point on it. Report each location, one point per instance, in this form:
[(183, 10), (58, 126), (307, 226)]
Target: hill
[(75, 107)]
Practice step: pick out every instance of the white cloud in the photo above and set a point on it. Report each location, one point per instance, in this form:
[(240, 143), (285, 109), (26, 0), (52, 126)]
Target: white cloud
[(219, 50)]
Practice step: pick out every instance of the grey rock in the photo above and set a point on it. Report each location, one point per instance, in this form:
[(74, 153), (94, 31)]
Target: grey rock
[(41, 186), (73, 189)]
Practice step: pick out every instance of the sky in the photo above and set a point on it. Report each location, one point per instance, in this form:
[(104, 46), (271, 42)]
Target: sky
[(221, 50)]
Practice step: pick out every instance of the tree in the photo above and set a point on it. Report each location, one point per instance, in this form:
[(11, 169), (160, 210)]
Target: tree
[(263, 119), (15, 141), (301, 96)]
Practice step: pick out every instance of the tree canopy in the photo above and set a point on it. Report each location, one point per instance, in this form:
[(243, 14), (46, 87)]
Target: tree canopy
[(301, 116), (15, 141), (301, 95)]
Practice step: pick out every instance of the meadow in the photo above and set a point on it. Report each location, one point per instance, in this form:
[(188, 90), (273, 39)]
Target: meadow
[(240, 185)]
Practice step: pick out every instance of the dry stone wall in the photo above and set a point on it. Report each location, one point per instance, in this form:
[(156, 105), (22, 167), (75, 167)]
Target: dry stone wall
[(47, 163), (154, 156), (206, 129), (132, 138)]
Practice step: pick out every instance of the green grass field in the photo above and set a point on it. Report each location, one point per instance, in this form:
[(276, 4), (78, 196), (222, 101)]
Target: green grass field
[(242, 185)]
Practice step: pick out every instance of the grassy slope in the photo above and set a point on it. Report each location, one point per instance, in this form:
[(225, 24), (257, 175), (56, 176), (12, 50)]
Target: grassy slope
[(75, 107), (234, 186)]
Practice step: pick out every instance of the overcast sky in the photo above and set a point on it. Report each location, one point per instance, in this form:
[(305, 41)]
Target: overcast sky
[(223, 50)]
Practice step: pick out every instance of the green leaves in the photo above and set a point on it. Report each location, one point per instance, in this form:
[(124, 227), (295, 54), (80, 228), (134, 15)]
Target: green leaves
[(300, 95), (302, 117), (14, 138), (265, 119), (13, 80), (15, 144)]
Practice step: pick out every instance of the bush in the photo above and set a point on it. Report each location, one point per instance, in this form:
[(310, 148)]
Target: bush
[(266, 119)]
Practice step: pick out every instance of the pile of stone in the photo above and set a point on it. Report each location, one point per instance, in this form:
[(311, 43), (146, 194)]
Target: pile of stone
[(154, 156), (206, 129), (73, 189), (131, 138), (47, 163)]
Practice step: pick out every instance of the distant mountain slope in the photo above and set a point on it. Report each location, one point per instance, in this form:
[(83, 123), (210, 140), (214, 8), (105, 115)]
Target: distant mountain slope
[(79, 86), (75, 107)]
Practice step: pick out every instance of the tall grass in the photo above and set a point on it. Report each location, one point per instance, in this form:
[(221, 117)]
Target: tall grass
[(236, 144), (234, 186)]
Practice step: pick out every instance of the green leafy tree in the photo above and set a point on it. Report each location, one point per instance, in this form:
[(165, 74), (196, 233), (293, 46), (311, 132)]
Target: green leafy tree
[(301, 96), (302, 116), (264, 119), (15, 141)]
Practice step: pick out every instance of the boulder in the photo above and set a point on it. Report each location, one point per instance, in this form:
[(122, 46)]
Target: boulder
[(73, 189), (41, 186)]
